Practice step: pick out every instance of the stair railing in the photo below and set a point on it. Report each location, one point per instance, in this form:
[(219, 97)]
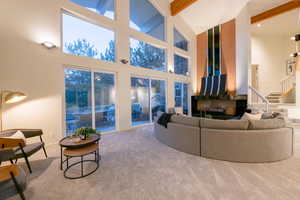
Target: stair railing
[(287, 84), (257, 98)]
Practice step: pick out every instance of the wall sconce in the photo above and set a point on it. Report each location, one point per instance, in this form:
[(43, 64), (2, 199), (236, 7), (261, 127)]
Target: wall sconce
[(48, 45), (295, 54), (124, 61), (296, 38)]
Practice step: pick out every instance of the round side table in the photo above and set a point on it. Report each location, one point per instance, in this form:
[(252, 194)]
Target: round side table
[(71, 149)]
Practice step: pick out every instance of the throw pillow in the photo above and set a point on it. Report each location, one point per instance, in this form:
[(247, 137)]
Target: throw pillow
[(267, 115), (248, 116), (18, 135)]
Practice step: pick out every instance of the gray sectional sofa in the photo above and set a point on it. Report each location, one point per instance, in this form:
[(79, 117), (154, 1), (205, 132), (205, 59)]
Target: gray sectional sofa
[(250, 141)]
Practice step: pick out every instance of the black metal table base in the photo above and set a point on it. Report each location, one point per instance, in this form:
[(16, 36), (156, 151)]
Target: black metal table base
[(81, 162)]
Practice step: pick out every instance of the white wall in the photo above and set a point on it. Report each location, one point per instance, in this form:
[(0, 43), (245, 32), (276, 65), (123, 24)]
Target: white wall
[(243, 49), (27, 66), (270, 53), (298, 88)]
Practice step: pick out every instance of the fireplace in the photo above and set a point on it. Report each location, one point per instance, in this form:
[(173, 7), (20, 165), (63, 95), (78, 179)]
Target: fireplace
[(222, 108)]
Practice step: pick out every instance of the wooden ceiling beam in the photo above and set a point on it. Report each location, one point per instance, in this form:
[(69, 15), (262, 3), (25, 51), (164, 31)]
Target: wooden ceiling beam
[(275, 11), (179, 5)]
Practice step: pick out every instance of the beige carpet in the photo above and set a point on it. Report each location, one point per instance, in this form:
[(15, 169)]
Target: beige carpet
[(135, 166)]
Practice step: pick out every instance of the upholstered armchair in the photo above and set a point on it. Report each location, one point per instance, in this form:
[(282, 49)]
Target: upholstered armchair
[(13, 149)]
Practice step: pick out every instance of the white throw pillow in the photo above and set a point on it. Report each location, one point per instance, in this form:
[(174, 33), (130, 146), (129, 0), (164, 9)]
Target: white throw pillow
[(179, 110), (248, 116), (18, 135)]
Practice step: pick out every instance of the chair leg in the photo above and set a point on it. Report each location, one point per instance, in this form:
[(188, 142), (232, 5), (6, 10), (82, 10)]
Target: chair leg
[(19, 190), (11, 161), (26, 159), (45, 152), (27, 163), (16, 161)]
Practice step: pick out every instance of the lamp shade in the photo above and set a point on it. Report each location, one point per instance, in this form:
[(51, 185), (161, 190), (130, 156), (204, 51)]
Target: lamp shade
[(14, 97)]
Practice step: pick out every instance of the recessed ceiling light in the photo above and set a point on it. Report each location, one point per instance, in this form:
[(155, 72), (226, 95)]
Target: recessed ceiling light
[(258, 25)]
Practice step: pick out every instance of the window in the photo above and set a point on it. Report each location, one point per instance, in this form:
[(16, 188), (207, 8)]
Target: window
[(181, 65), (148, 96), (180, 41), (79, 106), (147, 56), (214, 52), (146, 18), (210, 53), (78, 92), (181, 97), (158, 97), (178, 94), (140, 104), (102, 7), (85, 39), (217, 51), (105, 108)]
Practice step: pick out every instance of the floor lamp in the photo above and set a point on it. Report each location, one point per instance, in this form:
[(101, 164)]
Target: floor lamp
[(8, 97)]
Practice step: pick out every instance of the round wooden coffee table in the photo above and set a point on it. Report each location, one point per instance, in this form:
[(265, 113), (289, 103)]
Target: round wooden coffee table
[(74, 149)]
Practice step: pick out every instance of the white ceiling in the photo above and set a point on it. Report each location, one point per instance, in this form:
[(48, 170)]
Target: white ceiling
[(286, 24), (259, 6), (205, 14)]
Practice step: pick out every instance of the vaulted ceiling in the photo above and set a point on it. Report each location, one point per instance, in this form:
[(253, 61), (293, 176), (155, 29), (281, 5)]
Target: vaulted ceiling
[(286, 24), (204, 14), (258, 6)]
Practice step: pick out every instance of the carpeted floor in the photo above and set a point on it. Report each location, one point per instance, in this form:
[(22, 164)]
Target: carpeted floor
[(135, 166)]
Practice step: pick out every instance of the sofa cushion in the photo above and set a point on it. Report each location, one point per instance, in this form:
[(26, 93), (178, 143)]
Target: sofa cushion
[(224, 124), (189, 121), (266, 124), (250, 116)]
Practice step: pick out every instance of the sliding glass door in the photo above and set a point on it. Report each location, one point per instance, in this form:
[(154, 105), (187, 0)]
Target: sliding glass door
[(140, 104), (90, 100), (182, 97), (105, 108), (148, 96), (185, 98), (158, 97), (78, 97)]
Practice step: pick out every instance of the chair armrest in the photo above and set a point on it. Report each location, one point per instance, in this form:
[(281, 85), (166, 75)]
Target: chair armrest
[(11, 143), (28, 133)]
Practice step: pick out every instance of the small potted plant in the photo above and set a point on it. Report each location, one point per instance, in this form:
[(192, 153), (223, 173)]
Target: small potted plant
[(84, 132)]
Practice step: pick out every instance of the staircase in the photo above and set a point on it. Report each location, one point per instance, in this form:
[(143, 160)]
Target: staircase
[(274, 97), (287, 94), (283, 101)]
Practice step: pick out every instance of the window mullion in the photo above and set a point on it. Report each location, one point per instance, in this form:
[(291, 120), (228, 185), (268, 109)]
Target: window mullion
[(93, 100), (150, 102)]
